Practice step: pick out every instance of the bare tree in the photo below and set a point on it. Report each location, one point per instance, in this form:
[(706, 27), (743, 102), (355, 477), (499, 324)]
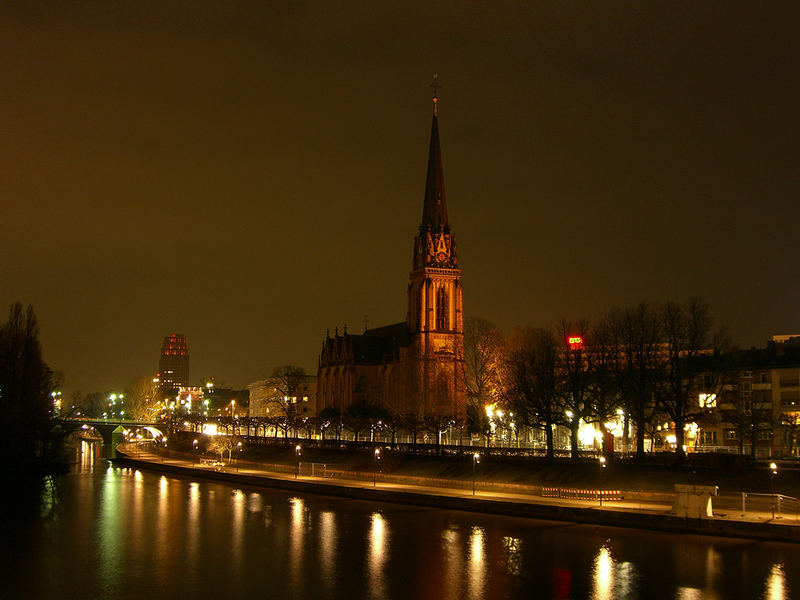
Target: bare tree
[(604, 392), (141, 398), (690, 367), (573, 378), (746, 415), (635, 332), (283, 388), (481, 343), (527, 381), (790, 424)]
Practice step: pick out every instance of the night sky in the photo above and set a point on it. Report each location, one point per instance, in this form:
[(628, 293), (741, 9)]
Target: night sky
[(251, 174)]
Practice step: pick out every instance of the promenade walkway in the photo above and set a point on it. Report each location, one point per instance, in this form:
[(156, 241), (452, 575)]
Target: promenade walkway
[(623, 513)]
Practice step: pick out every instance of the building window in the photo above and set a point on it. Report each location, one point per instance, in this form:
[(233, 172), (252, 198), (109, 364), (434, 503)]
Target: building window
[(707, 400), (708, 438), (730, 434), (763, 378), (790, 399), (765, 435), (442, 310)]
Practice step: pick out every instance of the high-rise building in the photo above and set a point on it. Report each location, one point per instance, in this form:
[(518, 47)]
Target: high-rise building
[(413, 366), (173, 367)]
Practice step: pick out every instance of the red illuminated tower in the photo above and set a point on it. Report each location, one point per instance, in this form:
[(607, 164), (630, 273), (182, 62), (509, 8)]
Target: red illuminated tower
[(174, 364)]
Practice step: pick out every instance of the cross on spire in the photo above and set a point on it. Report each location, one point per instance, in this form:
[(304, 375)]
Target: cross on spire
[(436, 85)]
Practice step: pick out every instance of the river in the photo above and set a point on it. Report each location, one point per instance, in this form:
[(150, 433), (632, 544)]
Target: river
[(104, 531)]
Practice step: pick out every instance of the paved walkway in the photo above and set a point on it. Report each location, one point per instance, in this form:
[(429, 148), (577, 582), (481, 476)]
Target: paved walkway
[(259, 474)]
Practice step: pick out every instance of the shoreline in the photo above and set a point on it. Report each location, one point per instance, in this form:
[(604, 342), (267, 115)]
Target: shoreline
[(651, 519)]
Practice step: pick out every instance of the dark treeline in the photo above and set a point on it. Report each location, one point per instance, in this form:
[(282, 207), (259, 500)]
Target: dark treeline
[(26, 382)]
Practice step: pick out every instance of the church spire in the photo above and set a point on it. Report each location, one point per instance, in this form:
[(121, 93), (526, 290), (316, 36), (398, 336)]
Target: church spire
[(434, 211)]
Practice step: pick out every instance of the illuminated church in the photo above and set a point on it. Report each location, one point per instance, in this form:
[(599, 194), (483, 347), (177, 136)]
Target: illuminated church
[(415, 366)]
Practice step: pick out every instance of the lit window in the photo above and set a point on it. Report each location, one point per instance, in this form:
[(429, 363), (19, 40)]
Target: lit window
[(708, 400)]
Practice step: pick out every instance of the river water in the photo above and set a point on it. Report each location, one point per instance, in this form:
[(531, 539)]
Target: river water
[(109, 532)]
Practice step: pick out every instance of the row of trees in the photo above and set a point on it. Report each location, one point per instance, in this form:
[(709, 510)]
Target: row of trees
[(649, 362)]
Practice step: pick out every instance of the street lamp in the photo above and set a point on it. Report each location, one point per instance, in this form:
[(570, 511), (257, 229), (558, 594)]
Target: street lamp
[(476, 458), (375, 471), (297, 451), (194, 452), (774, 473), (239, 447), (602, 462)]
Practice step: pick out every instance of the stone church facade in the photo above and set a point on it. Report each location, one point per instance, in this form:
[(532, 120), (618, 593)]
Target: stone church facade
[(415, 366)]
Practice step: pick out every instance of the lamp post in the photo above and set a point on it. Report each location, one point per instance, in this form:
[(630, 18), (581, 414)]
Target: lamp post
[(194, 452), (238, 456), (602, 462), (773, 474), (375, 470), (476, 458), (297, 451)]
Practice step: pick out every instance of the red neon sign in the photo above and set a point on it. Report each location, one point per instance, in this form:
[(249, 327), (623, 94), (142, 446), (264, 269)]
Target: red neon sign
[(575, 342)]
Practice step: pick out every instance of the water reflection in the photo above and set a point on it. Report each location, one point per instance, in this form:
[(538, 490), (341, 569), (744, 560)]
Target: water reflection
[(238, 500), (129, 534), (378, 546), (163, 523), (453, 559), (712, 567), (193, 525), (297, 509), (108, 537), (688, 593), (603, 575), (776, 584), (512, 551), (610, 578), (87, 452), (327, 548), (477, 563)]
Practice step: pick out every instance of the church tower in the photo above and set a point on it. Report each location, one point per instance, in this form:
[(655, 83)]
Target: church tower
[(435, 300)]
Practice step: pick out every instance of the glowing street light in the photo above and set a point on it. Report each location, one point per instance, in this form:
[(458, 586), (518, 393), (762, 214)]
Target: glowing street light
[(297, 450), (375, 471), (194, 452), (476, 458)]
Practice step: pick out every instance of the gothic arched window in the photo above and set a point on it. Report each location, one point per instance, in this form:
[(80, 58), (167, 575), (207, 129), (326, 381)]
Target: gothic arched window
[(442, 309)]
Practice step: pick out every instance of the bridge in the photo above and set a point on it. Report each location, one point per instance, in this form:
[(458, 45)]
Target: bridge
[(109, 429)]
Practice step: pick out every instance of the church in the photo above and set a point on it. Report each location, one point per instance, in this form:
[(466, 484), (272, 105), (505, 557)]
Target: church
[(414, 366)]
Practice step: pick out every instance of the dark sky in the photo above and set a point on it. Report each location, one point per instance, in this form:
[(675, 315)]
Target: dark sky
[(250, 174)]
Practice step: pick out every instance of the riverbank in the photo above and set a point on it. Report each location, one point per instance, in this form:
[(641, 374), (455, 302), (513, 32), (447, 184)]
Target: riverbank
[(627, 513)]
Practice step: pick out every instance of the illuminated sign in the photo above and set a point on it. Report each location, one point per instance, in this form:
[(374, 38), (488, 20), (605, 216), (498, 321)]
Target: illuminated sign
[(575, 342)]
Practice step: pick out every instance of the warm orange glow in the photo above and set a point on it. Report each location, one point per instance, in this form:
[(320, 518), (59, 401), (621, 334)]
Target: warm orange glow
[(575, 342)]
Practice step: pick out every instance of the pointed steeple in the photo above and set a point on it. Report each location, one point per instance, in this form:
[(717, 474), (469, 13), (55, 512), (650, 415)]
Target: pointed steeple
[(434, 211)]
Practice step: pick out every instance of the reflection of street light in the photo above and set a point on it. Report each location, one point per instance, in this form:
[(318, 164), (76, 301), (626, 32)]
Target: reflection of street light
[(297, 451), (476, 458), (375, 471)]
